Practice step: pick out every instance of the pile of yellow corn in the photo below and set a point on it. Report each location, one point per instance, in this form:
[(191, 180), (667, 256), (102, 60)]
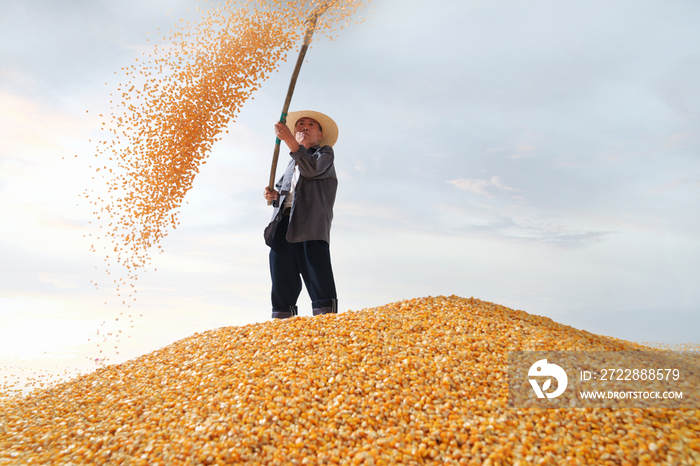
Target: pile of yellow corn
[(421, 381)]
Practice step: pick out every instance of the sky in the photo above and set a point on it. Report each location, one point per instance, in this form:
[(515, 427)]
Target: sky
[(542, 155)]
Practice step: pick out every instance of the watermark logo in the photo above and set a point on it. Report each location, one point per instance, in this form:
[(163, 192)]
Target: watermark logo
[(603, 379), (544, 369)]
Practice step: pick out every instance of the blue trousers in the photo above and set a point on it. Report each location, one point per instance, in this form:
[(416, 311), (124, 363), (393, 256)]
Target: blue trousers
[(289, 263)]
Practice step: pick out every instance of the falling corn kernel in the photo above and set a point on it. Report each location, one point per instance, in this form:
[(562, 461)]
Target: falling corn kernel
[(420, 381), (176, 103)]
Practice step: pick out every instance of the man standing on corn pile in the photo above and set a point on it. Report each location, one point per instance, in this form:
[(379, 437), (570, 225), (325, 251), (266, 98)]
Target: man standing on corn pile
[(299, 233)]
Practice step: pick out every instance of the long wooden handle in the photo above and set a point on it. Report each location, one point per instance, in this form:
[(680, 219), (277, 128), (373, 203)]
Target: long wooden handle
[(313, 19)]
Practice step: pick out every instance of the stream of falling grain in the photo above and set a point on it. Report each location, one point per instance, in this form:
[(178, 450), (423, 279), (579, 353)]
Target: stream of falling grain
[(171, 109), (172, 106)]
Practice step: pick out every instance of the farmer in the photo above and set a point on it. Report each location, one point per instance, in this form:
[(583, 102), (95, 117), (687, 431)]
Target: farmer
[(299, 233)]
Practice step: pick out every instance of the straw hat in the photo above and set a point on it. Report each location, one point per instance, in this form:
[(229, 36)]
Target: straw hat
[(328, 126)]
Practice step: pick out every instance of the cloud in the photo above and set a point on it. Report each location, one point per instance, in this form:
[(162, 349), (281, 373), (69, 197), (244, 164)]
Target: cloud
[(681, 140), (481, 186), (534, 232), (524, 150), (675, 184), (497, 222), (668, 186), (57, 282), (370, 212), (548, 233), (35, 133)]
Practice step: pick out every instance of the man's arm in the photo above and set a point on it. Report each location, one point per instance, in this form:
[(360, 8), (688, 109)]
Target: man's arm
[(315, 165), (283, 133)]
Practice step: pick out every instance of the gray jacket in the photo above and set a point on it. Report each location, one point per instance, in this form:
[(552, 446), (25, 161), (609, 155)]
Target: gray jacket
[(314, 196)]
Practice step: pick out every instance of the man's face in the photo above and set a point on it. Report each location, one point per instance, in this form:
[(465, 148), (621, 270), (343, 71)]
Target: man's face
[(307, 132)]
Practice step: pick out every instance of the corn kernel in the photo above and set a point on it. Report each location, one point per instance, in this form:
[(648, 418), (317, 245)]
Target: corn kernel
[(362, 387)]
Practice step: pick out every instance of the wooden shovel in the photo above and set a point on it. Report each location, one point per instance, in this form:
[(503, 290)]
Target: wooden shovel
[(312, 20)]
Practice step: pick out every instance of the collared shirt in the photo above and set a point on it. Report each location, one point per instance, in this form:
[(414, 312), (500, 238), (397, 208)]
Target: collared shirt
[(313, 199), (290, 197)]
